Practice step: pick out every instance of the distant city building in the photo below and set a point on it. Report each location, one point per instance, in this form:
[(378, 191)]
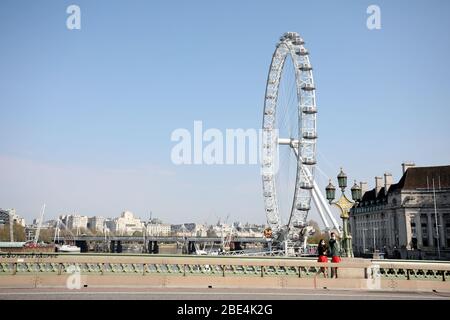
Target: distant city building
[(74, 222), (221, 229), (200, 230), (189, 230), (155, 227), (30, 230), (180, 230), (248, 230), (6, 214), (20, 221), (127, 224), (45, 225), (96, 224), (400, 218), (49, 224), (155, 221)]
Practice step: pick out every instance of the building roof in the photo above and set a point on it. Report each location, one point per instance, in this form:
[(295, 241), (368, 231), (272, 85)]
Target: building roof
[(422, 178), (368, 195), (414, 178)]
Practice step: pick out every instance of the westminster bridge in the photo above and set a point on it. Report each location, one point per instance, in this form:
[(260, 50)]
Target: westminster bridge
[(96, 270)]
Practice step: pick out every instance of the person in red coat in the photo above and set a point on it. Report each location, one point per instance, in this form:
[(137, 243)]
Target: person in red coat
[(322, 249), (335, 253)]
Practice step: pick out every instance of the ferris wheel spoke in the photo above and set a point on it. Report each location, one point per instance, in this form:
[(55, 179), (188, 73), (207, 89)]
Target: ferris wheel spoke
[(290, 109)]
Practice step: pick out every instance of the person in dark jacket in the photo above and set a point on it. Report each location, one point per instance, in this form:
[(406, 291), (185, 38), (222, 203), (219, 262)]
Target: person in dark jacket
[(322, 250), (335, 253)]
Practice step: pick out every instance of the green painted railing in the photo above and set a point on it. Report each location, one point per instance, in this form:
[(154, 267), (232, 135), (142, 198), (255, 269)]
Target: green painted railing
[(59, 264)]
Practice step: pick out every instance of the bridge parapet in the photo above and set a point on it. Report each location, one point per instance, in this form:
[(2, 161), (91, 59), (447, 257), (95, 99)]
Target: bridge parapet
[(224, 271)]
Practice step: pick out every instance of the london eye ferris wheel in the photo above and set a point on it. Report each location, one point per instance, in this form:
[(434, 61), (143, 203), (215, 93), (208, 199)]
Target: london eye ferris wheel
[(289, 141)]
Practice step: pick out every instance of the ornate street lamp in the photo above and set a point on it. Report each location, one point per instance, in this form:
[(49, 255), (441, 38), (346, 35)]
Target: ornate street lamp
[(342, 180), (344, 204), (356, 192), (330, 191)]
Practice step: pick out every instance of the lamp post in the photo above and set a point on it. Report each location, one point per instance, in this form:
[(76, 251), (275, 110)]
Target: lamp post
[(11, 227), (344, 204), (364, 240), (374, 239)]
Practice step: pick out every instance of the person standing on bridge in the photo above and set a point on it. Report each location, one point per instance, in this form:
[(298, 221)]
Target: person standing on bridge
[(322, 249), (334, 253)]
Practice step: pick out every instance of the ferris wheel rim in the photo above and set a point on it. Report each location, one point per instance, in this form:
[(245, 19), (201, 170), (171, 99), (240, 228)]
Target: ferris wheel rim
[(291, 45)]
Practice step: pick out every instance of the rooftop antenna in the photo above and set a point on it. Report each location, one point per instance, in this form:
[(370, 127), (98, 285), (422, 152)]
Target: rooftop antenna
[(11, 226), (436, 221)]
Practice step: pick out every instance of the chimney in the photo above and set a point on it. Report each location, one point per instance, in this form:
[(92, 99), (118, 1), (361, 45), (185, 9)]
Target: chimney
[(406, 165), (378, 185), (387, 181), (363, 186)]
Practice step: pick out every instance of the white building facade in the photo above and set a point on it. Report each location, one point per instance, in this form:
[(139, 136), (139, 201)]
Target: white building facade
[(158, 229), (127, 224), (7, 214), (74, 222), (96, 224)]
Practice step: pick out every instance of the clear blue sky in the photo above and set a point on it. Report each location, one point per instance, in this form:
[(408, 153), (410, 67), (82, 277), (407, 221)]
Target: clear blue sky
[(86, 115)]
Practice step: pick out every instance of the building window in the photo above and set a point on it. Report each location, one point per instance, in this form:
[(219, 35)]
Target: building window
[(414, 243)]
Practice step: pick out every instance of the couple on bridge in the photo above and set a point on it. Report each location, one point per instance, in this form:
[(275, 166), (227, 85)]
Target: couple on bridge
[(333, 250)]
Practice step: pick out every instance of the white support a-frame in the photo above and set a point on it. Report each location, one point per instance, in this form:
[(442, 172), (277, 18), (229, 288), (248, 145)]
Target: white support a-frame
[(318, 198)]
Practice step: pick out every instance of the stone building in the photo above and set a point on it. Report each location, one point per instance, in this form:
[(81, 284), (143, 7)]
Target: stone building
[(127, 224), (6, 214), (157, 228), (74, 221), (189, 230), (400, 219), (96, 224)]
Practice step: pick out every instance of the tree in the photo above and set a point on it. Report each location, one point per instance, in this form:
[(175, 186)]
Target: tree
[(315, 238), (137, 234), (18, 232), (46, 235), (4, 233), (314, 224)]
